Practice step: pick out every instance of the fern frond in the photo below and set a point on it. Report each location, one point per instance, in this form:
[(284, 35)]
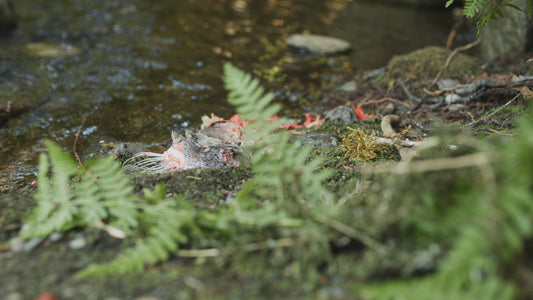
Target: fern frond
[(486, 10), (102, 192), (54, 211), (474, 7), (282, 170), (165, 225)]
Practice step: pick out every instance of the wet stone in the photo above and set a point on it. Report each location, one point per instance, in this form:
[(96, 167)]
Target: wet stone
[(55, 237), (350, 86), (14, 296), (31, 244), (341, 114), (77, 243), (126, 150), (318, 43), (374, 73), (447, 83)]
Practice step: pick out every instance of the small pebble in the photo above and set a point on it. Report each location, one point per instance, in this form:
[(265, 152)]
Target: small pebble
[(13, 296), (77, 243), (350, 86), (229, 199), (316, 140), (447, 83), (341, 114), (374, 73), (318, 43), (388, 109), (27, 246), (55, 237)]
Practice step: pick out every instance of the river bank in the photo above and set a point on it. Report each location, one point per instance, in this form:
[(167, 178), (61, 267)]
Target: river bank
[(403, 88)]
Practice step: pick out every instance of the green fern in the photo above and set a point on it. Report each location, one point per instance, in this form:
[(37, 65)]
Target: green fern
[(497, 225), (486, 10), (164, 222), (282, 170), (62, 204), (69, 196)]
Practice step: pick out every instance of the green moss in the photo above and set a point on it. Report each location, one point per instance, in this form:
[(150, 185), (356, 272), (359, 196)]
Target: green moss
[(425, 64), (202, 186), (15, 204)]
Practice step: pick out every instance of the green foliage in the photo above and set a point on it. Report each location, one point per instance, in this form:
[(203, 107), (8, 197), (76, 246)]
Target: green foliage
[(282, 170), (100, 193), (486, 10), (484, 215), (165, 223)]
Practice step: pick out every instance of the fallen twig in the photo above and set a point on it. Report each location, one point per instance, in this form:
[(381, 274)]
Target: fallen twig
[(496, 131), (350, 231), (408, 93), (453, 33), (395, 141), (441, 164), (211, 252), (76, 141), (451, 56), (251, 247), (387, 99), (386, 125), (498, 109)]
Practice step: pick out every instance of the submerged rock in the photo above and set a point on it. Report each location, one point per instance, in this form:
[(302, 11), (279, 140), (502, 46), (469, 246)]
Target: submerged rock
[(51, 49), (318, 43)]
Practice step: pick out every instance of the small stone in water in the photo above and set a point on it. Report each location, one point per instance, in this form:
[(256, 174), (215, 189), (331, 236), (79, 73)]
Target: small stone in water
[(77, 243), (318, 43), (32, 244), (55, 236), (350, 86)]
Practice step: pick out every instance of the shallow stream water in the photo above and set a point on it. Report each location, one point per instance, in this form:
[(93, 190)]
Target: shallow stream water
[(133, 70)]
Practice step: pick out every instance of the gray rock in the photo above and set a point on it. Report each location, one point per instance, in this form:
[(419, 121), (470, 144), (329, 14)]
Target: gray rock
[(14, 296), (508, 33), (350, 86), (77, 243), (341, 114), (18, 245), (317, 140), (318, 43), (447, 83), (374, 73), (32, 244), (126, 150), (55, 237)]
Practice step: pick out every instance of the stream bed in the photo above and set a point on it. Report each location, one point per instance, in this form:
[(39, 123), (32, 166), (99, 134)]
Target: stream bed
[(83, 72)]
